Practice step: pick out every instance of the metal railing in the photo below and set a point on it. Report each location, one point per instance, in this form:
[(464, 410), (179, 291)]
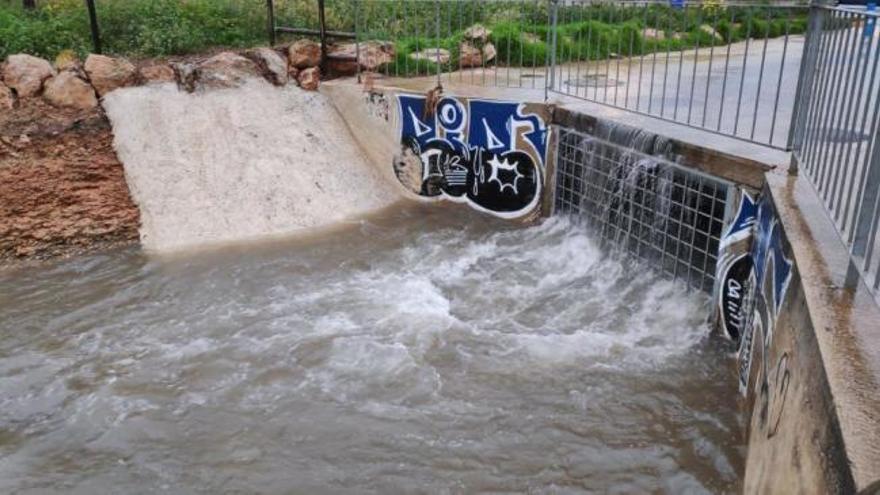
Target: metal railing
[(723, 69), (837, 130)]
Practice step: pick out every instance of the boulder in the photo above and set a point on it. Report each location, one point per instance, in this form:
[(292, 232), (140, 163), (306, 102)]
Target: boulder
[(67, 60), (225, 70), (7, 99), (25, 74), (432, 54), (271, 64), (304, 54), (478, 33), (108, 73), (309, 78), (373, 55), (489, 52), (157, 74), (712, 32), (653, 34), (293, 74), (469, 56), (68, 90)]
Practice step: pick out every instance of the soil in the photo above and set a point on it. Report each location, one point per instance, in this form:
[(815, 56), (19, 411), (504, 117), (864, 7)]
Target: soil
[(62, 189)]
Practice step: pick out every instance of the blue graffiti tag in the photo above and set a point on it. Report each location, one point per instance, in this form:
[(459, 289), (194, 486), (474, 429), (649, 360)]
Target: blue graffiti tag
[(490, 154)]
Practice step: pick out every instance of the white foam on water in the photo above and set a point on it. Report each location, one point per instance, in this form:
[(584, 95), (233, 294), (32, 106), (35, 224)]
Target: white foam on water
[(404, 356)]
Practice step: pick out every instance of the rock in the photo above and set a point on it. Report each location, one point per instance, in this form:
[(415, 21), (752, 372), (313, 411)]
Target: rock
[(225, 70), (186, 75), (25, 74), (489, 52), (304, 54), (432, 54), (711, 32), (108, 74), (469, 56), (531, 38), (653, 34), (478, 33), (293, 74), (7, 99), (271, 64), (309, 78), (372, 56), (67, 60), (375, 54), (157, 74), (68, 90)]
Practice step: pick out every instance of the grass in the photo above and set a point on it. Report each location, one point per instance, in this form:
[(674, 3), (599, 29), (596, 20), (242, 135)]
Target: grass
[(150, 28)]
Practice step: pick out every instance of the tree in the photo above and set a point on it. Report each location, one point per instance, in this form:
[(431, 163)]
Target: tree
[(30, 4)]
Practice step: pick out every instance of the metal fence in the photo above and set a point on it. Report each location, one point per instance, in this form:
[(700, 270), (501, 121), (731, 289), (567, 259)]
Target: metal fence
[(656, 210), (836, 143), (727, 70)]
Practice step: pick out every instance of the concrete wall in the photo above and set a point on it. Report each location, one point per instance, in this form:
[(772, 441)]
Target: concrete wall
[(491, 155), (809, 358)]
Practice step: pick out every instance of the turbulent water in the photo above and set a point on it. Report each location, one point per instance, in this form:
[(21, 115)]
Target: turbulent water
[(422, 351)]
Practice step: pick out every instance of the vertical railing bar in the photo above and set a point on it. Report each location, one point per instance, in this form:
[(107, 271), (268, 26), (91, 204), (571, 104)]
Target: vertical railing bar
[(550, 72), (654, 64), (665, 69), (726, 70), (696, 62), (357, 39), (629, 67), (270, 20), (523, 23), (806, 82), (608, 54), (589, 46), (781, 71), (535, 52), (617, 59), (577, 76), (642, 59), (709, 70), (743, 76), (761, 76), (680, 67)]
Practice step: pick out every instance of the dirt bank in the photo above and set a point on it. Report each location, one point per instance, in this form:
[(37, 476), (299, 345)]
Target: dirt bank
[(62, 189)]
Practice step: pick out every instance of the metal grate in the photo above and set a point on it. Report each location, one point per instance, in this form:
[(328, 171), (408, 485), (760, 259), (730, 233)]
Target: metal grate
[(660, 212)]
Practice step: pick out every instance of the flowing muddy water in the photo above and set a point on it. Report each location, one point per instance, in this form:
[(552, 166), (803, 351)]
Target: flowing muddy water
[(420, 351)]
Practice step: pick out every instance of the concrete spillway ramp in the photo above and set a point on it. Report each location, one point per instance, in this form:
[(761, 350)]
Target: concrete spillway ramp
[(240, 163)]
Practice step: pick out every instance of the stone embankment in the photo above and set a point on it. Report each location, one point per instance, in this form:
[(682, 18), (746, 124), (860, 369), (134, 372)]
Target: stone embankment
[(62, 187)]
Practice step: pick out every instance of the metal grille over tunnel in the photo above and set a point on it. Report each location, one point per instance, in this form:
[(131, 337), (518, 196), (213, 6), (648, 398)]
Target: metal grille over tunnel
[(665, 214)]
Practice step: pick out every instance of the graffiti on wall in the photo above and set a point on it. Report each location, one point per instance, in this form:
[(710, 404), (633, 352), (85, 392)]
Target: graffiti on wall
[(488, 154), (735, 267), (753, 276), (771, 276)]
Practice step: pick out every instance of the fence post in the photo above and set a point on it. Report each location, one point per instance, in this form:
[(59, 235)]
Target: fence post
[(806, 74), (323, 33), (437, 34), (270, 21), (550, 72), (357, 39), (93, 22)]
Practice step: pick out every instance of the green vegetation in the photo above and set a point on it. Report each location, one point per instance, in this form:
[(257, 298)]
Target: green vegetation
[(146, 28)]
